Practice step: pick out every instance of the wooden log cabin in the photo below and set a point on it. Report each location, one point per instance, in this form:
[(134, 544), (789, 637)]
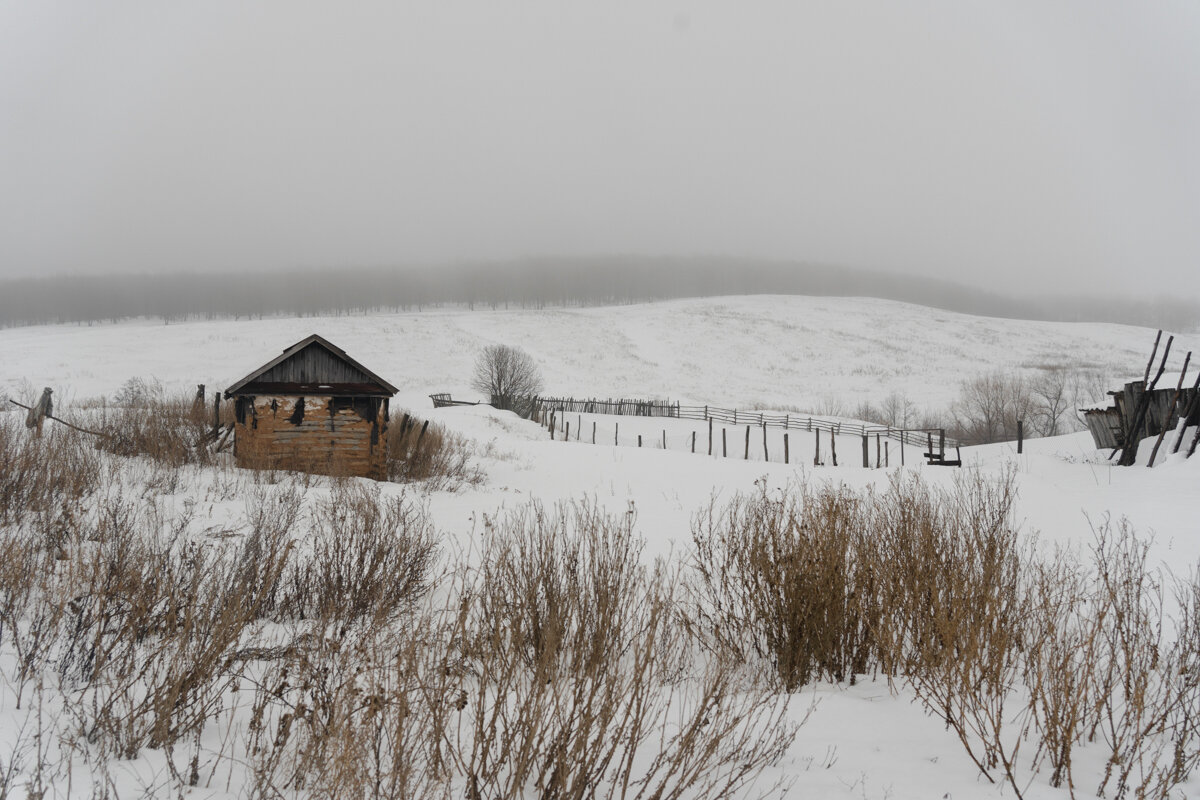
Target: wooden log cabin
[(312, 409)]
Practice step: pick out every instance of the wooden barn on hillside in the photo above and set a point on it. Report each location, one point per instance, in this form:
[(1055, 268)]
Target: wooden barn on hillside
[(312, 409)]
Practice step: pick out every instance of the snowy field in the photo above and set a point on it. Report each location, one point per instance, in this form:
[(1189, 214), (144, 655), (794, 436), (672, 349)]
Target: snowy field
[(861, 742)]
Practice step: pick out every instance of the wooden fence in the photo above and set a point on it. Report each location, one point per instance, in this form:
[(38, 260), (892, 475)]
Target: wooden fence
[(935, 438)]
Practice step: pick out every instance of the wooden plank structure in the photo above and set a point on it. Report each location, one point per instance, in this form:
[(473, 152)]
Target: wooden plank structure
[(314, 409)]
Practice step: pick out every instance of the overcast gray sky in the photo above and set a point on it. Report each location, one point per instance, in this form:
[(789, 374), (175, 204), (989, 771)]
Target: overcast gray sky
[(1008, 143)]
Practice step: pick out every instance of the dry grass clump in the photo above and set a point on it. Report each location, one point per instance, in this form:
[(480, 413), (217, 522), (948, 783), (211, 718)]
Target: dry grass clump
[(40, 474), (169, 429), (427, 452)]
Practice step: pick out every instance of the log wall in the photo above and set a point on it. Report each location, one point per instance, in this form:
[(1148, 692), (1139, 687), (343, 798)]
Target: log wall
[(323, 435)]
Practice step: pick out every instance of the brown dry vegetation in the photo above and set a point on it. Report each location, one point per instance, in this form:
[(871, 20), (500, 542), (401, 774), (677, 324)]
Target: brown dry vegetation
[(333, 649), (420, 451), (1025, 656)]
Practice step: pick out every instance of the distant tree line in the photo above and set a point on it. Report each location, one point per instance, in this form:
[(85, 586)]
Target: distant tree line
[(537, 283)]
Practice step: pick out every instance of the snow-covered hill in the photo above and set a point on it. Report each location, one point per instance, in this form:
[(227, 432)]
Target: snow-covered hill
[(769, 352)]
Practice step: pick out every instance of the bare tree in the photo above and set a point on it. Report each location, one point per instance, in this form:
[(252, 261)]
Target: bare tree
[(1052, 400), (508, 375)]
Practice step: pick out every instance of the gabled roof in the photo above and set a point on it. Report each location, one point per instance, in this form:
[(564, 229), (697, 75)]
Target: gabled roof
[(361, 378)]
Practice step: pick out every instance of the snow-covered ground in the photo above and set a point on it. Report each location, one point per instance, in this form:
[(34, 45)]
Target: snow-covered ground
[(861, 742)]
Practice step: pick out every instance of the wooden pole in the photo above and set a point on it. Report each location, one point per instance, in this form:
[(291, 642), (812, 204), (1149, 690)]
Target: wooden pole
[(709, 430), (1020, 436), (866, 451), (664, 439), (553, 417), (216, 426), (833, 447), (693, 442), (902, 448), (567, 431), (877, 460), (1134, 432), (616, 431), (1187, 414), (766, 455), (747, 456), (886, 461), (1170, 410), (817, 450), (579, 428), (724, 447), (593, 431), (639, 440), (786, 451)]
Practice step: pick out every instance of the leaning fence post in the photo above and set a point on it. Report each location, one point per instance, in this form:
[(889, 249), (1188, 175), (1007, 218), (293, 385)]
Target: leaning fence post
[(216, 426)]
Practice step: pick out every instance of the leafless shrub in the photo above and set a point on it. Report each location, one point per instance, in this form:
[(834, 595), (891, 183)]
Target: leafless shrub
[(776, 578), (369, 557), (563, 686), (427, 452), (153, 621), (354, 712)]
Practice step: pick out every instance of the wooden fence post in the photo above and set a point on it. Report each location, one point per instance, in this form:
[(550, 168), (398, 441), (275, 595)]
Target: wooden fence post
[(1020, 436), (579, 428), (664, 438), (817, 450), (216, 413), (709, 430), (567, 431), (747, 456), (693, 442), (902, 448), (833, 447), (616, 432), (866, 451), (877, 460), (886, 461), (639, 440), (766, 455), (593, 431), (785, 448), (724, 447)]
